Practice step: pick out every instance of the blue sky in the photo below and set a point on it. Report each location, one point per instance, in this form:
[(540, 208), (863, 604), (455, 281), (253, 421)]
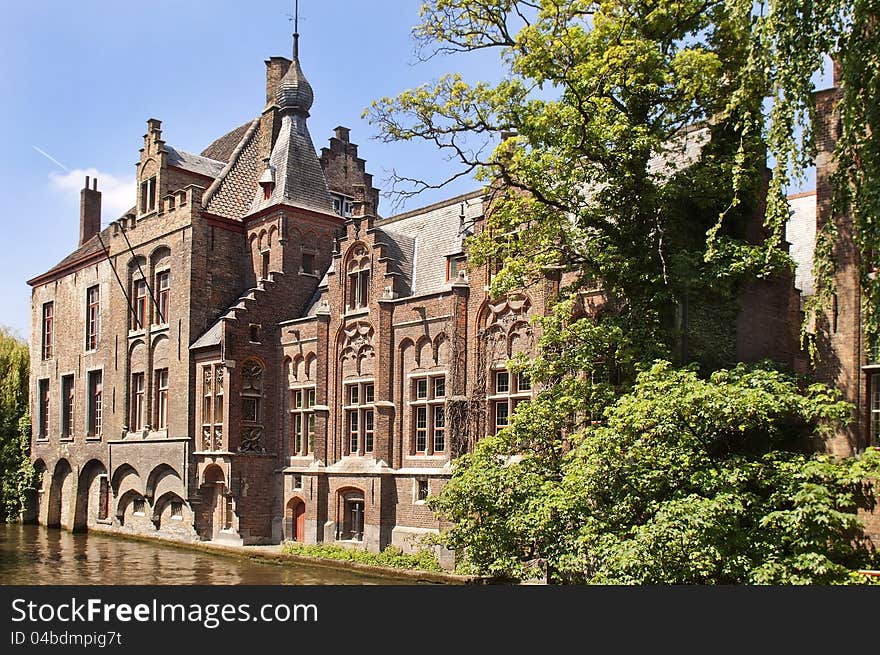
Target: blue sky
[(78, 81)]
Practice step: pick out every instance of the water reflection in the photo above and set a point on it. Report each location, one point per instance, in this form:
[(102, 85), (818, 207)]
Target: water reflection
[(33, 555)]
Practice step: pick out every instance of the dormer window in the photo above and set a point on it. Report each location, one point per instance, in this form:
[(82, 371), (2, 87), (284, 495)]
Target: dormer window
[(454, 265), (148, 195), (358, 292), (342, 206), (267, 180)]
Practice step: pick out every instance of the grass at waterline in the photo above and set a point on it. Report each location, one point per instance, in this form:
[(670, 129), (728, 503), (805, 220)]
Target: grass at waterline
[(392, 556)]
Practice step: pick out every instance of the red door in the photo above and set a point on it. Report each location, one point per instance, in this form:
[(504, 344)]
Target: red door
[(299, 522)]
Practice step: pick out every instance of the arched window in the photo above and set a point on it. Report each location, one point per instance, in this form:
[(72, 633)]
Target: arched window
[(252, 392), (358, 289)]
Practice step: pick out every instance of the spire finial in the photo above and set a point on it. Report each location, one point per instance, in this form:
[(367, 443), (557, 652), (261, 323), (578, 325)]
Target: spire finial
[(296, 30)]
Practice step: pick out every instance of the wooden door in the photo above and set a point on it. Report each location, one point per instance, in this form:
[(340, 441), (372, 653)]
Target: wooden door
[(299, 522)]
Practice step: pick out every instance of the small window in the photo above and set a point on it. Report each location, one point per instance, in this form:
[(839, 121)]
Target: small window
[(138, 398), (439, 387), (421, 491), (43, 427), (254, 333), (297, 399), (148, 195), (353, 394), (67, 398), (48, 329), (96, 406), (177, 510), (140, 304), (92, 317), (453, 266), (421, 429), (162, 399), (163, 293), (502, 415), (250, 409), (369, 393), (308, 263), (139, 507), (297, 482), (310, 398), (502, 382), (422, 388), (523, 382)]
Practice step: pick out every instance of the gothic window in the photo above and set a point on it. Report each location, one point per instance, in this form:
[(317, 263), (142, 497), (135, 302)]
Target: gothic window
[(251, 407), (212, 407), (148, 195), (427, 400), (359, 415), (358, 285)]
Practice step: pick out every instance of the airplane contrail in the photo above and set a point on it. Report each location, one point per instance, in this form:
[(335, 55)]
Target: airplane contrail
[(51, 159)]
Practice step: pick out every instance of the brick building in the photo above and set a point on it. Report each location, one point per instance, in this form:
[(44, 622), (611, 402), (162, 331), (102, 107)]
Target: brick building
[(252, 353)]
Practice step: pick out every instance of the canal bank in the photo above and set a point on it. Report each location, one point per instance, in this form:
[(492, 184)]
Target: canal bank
[(36, 555), (274, 555)]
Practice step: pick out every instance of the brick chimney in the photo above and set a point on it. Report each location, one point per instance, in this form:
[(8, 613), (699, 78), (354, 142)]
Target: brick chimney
[(89, 211)]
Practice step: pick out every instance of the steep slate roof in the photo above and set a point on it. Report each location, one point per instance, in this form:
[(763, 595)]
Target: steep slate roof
[(299, 178), (222, 148), (434, 232), (800, 232), (194, 163), (210, 338), (400, 250), (231, 193)]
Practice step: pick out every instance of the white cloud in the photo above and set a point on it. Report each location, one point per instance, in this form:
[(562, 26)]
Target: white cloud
[(117, 193)]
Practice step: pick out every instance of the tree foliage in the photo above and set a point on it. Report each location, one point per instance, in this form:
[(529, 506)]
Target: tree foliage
[(633, 158), (16, 471), (685, 481)]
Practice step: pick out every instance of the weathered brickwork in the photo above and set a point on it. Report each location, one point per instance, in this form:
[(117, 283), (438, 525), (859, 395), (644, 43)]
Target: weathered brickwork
[(231, 360)]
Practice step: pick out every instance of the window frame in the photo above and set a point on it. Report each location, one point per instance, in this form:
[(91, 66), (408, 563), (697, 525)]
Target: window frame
[(93, 317), (161, 413), (427, 414), (137, 420), (68, 403), (95, 395), (359, 417), (517, 389), (47, 340), (163, 296)]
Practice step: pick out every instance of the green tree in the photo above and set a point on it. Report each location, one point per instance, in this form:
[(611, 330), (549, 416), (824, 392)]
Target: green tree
[(634, 155), (686, 481), (16, 471)]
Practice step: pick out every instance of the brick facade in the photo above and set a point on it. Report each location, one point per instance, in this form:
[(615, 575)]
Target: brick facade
[(303, 380)]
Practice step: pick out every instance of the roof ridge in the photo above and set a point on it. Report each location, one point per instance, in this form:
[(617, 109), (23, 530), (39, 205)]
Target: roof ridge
[(233, 158), (437, 205)]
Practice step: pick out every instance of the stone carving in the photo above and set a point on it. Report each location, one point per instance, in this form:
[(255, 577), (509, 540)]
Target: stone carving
[(251, 440)]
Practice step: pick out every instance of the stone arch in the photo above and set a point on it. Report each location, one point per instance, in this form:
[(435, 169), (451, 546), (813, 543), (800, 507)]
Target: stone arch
[(441, 350), (60, 495), (165, 520), (298, 366), (294, 519), (311, 366), (157, 476), (351, 513), (92, 495), (424, 352), (271, 234), (39, 499), (160, 351), (356, 350), (215, 511), (122, 472), (126, 499)]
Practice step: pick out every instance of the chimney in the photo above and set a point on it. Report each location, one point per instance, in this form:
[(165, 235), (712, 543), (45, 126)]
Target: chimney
[(276, 68), (342, 133), (89, 211)]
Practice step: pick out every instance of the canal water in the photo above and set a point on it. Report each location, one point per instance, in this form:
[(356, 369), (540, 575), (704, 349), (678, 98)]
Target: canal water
[(34, 555)]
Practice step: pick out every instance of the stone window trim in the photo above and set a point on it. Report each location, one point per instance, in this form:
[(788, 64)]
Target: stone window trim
[(43, 409), (161, 381), (252, 409), (138, 413), (427, 405), (67, 404), (421, 491), (357, 278), (148, 195), (359, 417), (93, 318), (211, 409), (140, 305), (507, 389), (303, 399), (94, 403), (162, 285), (48, 330)]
